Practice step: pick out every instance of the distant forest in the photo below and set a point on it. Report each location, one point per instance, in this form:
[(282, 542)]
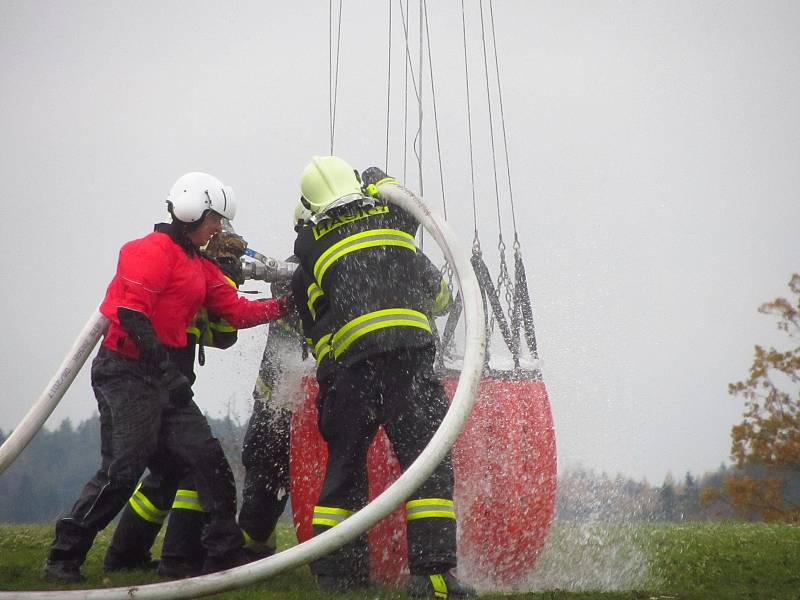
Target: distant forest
[(46, 479)]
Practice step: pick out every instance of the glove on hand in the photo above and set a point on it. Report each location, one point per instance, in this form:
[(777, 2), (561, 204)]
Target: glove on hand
[(178, 386), (286, 303), (371, 177), (226, 244)]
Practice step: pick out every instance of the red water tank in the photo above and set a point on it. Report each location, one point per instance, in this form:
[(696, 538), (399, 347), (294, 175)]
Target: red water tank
[(505, 474)]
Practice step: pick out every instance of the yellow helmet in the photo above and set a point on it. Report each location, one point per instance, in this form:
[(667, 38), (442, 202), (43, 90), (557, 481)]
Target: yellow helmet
[(328, 179)]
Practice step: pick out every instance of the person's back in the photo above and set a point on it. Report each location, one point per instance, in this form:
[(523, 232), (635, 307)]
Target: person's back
[(362, 256)]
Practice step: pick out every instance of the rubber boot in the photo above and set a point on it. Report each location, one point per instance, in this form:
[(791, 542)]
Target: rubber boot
[(182, 554), (131, 543)]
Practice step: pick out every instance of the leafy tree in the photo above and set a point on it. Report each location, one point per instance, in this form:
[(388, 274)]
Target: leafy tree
[(766, 444)]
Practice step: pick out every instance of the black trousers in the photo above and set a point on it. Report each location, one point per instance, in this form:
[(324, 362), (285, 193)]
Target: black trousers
[(138, 427), (265, 456), (265, 450), (135, 534), (400, 391)]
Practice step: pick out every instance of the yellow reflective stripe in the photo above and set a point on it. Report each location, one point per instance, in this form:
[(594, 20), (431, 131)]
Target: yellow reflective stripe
[(322, 347), (222, 326), (323, 353), (146, 509), (329, 516), (314, 293), (439, 586), (192, 330), (426, 508), (366, 239), (379, 319), (187, 500), (431, 514)]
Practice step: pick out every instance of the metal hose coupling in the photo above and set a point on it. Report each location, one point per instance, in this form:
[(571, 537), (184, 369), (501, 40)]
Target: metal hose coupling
[(268, 269)]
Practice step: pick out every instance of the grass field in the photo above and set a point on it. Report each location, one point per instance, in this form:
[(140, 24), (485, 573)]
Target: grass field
[(580, 561)]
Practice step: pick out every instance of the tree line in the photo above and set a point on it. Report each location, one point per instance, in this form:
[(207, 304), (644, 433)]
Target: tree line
[(46, 477)]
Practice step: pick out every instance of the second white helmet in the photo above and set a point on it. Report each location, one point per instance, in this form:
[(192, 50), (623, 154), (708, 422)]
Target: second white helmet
[(195, 193)]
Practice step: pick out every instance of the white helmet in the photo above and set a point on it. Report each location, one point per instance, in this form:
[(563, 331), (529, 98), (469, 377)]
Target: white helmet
[(195, 193), (327, 179), (301, 215)]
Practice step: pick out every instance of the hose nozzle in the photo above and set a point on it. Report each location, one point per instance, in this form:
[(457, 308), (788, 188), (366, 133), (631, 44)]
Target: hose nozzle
[(268, 269)]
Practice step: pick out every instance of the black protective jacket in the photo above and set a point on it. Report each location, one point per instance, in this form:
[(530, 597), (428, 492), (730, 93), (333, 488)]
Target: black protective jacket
[(315, 318), (364, 260)]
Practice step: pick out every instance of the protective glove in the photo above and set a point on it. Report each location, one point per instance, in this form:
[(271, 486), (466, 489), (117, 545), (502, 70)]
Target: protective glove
[(370, 179), (286, 302), (178, 385), (226, 244)]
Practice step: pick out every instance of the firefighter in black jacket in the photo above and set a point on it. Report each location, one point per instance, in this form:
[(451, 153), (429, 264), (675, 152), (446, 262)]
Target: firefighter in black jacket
[(361, 254)]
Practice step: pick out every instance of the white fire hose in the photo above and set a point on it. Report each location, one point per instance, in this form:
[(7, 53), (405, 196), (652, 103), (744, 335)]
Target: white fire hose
[(52, 394), (362, 520)]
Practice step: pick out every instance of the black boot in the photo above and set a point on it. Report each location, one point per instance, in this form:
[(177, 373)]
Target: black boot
[(182, 553), (131, 543), (439, 585), (66, 571), (177, 569), (235, 558), (338, 585)]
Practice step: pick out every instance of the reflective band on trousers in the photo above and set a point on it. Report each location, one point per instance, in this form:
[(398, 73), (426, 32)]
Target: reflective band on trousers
[(380, 319), (359, 241), (439, 586), (329, 516), (187, 500), (426, 508), (314, 293), (146, 509)]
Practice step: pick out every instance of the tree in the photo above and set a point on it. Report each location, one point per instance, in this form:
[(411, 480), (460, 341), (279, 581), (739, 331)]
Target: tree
[(666, 499), (766, 444)]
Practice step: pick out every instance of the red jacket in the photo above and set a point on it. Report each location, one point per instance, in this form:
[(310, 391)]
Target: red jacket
[(158, 278)]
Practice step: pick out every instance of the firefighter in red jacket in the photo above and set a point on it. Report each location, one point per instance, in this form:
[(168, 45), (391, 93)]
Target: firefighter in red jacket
[(169, 489), (361, 253), (145, 402)]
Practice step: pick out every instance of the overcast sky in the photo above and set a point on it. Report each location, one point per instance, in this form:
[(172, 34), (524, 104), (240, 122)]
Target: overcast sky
[(654, 150)]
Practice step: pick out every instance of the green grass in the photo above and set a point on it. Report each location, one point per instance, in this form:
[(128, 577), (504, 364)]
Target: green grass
[(580, 561)]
